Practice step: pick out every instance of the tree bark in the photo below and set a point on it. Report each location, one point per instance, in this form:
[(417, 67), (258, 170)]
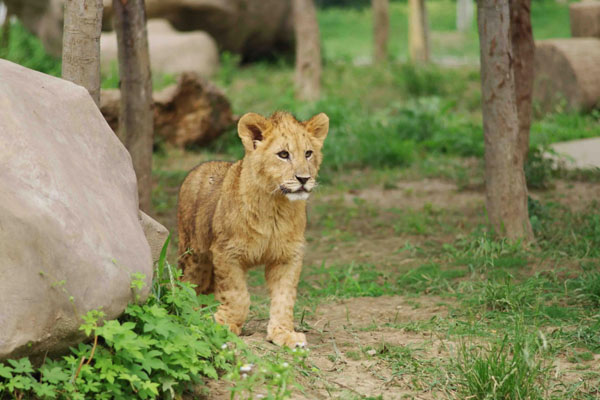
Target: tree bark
[(136, 129), (418, 31), (464, 15), (308, 50), (506, 190), (523, 61), (381, 29), (81, 44)]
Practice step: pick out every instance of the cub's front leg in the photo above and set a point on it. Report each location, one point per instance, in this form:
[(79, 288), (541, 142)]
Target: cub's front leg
[(231, 291), (282, 280)]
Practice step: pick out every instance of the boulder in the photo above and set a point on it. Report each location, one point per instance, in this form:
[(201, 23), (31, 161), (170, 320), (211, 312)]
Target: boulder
[(251, 28), (567, 74), (155, 233), (585, 18), (70, 235), (171, 52), (193, 112)]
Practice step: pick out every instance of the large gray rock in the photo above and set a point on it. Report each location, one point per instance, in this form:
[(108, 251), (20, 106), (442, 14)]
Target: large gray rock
[(70, 235), (171, 52), (251, 28)]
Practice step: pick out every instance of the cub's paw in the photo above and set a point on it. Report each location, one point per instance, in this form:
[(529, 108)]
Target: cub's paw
[(222, 320), (290, 339)]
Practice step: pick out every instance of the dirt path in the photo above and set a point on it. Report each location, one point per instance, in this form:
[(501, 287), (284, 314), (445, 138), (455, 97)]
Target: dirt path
[(348, 340)]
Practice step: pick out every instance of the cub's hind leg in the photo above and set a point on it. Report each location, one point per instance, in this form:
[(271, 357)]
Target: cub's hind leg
[(197, 269)]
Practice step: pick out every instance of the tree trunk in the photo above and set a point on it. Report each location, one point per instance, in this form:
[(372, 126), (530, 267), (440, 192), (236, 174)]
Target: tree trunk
[(81, 44), (523, 60), (381, 29), (418, 31), (308, 50), (136, 127), (464, 15), (506, 190)]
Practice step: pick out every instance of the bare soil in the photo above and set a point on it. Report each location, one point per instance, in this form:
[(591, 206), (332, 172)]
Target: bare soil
[(348, 339)]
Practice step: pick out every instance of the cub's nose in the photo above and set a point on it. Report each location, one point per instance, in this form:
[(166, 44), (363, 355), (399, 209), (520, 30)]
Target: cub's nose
[(302, 179)]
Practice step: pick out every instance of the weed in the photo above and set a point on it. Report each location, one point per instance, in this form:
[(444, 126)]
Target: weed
[(587, 288), (342, 281), (539, 169), (429, 278), (512, 368), (480, 251), (506, 296), (158, 349)]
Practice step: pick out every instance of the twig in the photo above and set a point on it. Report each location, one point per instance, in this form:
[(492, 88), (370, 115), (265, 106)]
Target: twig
[(93, 350), (78, 369)]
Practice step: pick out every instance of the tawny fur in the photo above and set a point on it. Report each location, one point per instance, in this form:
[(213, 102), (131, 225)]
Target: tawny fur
[(234, 216)]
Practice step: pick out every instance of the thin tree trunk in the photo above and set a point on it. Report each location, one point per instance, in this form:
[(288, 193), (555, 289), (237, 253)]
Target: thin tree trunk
[(308, 50), (381, 29), (523, 58), (506, 190), (136, 127), (81, 44), (418, 31), (464, 15)]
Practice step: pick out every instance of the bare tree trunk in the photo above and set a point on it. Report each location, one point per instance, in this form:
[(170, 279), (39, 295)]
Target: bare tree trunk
[(464, 15), (506, 190), (523, 59), (381, 28), (308, 50), (136, 129), (81, 44), (418, 31)]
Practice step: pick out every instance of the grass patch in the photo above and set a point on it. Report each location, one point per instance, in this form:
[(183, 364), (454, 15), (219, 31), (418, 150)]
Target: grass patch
[(512, 368)]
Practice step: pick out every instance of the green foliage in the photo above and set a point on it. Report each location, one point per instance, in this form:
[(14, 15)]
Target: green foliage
[(504, 295), (481, 251), (429, 278), (587, 287), (564, 231), (539, 168), (27, 50), (158, 349), (511, 369), (353, 280)]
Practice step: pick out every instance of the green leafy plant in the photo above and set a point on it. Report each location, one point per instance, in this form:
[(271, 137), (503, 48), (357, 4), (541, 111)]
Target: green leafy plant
[(159, 349)]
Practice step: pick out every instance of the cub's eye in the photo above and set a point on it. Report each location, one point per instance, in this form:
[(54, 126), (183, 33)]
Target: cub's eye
[(283, 154), (309, 153)]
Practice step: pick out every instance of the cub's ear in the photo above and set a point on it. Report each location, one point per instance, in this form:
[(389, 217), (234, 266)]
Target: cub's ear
[(251, 128), (318, 126)]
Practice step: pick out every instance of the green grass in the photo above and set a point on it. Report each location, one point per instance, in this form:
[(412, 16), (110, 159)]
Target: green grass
[(512, 368), (27, 50), (347, 32)]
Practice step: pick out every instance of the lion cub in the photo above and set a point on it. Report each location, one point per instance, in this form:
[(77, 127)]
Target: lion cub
[(234, 216)]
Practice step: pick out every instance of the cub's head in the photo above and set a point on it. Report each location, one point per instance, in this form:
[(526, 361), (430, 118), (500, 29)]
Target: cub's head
[(283, 153)]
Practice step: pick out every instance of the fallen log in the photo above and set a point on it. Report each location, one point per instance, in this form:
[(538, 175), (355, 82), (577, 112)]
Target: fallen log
[(567, 73), (193, 112)]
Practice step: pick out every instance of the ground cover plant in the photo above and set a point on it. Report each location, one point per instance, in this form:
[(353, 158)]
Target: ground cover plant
[(166, 347), (405, 293)]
